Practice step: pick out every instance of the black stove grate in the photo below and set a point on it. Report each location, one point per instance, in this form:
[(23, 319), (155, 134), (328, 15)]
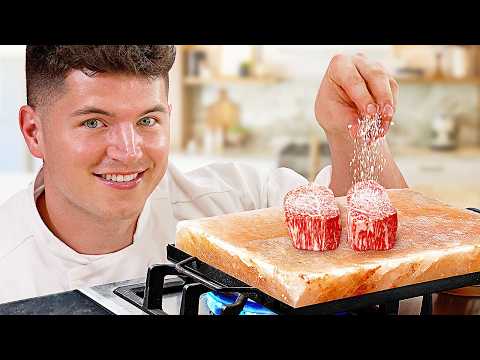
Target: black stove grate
[(385, 301)]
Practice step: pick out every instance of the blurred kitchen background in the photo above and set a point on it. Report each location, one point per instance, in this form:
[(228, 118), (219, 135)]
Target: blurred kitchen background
[(254, 104)]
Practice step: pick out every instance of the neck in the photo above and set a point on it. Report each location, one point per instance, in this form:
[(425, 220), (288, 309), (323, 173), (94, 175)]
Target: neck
[(81, 231)]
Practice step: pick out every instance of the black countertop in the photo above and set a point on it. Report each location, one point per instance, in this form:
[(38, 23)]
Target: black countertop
[(66, 303)]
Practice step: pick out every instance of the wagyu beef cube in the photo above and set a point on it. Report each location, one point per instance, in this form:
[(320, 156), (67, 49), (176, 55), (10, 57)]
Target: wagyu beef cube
[(312, 217), (371, 218)]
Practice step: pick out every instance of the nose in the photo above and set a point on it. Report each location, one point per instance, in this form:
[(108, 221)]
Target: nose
[(125, 144)]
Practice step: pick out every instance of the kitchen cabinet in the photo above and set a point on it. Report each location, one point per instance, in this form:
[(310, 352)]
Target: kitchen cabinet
[(433, 68), (207, 74)]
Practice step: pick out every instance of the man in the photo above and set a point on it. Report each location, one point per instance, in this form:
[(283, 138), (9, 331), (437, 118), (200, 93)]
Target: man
[(106, 201)]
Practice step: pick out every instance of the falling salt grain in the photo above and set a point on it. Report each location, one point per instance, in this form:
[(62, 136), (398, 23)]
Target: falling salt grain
[(368, 162)]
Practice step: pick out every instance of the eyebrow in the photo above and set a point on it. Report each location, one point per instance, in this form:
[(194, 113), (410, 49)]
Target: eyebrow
[(94, 110)]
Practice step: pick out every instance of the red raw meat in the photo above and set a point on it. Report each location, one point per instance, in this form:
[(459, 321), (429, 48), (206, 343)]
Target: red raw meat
[(371, 219), (312, 217)]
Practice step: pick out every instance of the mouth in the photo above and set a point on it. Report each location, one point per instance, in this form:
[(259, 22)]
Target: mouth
[(121, 181)]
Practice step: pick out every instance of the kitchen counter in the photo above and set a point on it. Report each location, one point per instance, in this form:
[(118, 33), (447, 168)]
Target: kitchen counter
[(449, 176), (96, 300), (462, 152)]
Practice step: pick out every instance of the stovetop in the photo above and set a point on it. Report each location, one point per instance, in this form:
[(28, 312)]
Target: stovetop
[(111, 297), (183, 285)]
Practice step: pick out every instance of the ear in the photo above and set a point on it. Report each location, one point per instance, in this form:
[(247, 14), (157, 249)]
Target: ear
[(30, 126)]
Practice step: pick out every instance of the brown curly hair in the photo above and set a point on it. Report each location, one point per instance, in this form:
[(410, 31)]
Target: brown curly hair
[(47, 66)]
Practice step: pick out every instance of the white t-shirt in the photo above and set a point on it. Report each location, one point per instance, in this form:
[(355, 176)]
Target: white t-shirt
[(34, 262)]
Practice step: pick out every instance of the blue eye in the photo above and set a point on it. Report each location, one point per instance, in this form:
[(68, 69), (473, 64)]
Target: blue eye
[(148, 121), (93, 124)]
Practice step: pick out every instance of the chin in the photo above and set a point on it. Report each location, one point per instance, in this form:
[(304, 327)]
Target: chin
[(121, 211)]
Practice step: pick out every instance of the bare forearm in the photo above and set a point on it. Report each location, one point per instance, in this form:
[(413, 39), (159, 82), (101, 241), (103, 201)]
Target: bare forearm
[(341, 149)]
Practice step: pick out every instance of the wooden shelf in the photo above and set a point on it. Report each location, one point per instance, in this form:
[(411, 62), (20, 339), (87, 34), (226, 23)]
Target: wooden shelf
[(420, 80), (231, 80)]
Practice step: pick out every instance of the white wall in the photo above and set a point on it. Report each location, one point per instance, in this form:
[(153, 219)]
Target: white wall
[(12, 95), (303, 62), (288, 107), (14, 159), (175, 99)]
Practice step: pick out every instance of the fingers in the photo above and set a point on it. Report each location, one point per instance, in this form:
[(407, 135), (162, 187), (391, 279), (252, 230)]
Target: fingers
[(383, 88), (395, 89), (378, 83), (368, 85), (345, 74)]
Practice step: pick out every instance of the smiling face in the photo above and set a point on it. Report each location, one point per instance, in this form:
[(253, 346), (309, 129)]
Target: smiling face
[(105, 143)]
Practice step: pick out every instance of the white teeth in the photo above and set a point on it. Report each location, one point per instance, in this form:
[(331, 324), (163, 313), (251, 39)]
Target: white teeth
[(119, 178)]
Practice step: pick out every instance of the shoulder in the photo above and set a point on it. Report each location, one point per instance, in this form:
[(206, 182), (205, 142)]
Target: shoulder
[(214, 189), (218, 177), (15, 222)]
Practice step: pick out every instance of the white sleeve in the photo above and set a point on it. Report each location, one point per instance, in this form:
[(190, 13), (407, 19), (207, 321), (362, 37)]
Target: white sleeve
[(225, 187), (282, 180), (324, 176)]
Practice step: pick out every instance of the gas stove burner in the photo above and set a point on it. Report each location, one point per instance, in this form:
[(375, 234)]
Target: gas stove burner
[(192, 278)]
